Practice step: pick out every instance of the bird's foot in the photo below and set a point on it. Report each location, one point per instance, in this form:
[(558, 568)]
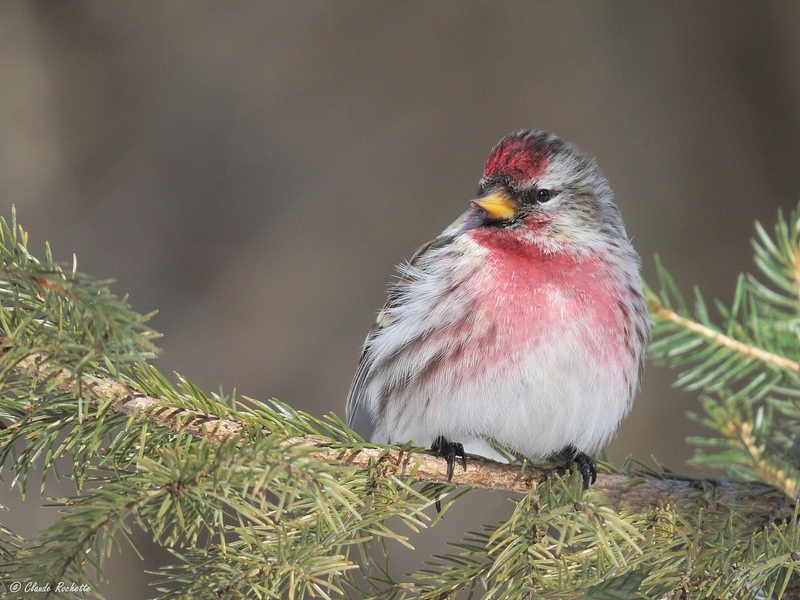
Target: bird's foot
[(449, 451), (585, 463)]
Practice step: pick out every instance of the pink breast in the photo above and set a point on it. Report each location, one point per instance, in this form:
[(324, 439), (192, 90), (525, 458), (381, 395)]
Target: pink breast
[(534, 297)]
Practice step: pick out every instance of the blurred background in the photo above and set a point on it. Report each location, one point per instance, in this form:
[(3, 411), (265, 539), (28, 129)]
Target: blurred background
[(255, 170)]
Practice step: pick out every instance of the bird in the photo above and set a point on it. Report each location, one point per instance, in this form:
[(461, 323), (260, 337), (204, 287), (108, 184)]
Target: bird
[(521, 329)]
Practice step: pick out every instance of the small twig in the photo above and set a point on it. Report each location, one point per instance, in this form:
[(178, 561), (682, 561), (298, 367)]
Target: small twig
[(779, 478), (727, 341), (123, 400), (796, 268)]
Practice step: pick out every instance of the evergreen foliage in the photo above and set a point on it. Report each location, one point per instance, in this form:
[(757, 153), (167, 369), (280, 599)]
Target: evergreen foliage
[(258, 500)]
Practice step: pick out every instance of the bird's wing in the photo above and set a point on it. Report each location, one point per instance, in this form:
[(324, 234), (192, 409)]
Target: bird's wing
[(359, 418)]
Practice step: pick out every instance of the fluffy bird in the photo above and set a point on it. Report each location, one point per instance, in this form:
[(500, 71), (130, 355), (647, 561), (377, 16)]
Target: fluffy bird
[(521, 328)]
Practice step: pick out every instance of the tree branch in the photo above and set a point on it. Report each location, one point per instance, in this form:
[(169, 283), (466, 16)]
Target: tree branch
[(620, 491), (724, 340)]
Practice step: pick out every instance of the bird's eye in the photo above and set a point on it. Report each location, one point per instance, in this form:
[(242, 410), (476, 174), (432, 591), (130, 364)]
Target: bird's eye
[(543, 196)]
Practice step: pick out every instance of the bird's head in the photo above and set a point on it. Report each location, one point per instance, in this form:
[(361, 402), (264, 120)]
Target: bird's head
[(545, 189)]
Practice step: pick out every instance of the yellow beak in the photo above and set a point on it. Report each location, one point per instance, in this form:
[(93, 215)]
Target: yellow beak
[(497, 206)]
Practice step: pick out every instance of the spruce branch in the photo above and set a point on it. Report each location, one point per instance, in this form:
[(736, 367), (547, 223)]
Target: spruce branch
[(720, 339), (121, 398), (783, 479), (637, 491), (748, 367), (260, 500)]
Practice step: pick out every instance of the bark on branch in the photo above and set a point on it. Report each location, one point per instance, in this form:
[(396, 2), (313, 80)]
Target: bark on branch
[(632, 492)]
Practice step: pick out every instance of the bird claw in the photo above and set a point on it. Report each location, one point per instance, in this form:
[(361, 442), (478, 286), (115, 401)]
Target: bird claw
[(586, 465), (449, 451)]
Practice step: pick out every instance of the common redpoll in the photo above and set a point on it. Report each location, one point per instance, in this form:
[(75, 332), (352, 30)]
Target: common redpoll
[(522, 327)]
